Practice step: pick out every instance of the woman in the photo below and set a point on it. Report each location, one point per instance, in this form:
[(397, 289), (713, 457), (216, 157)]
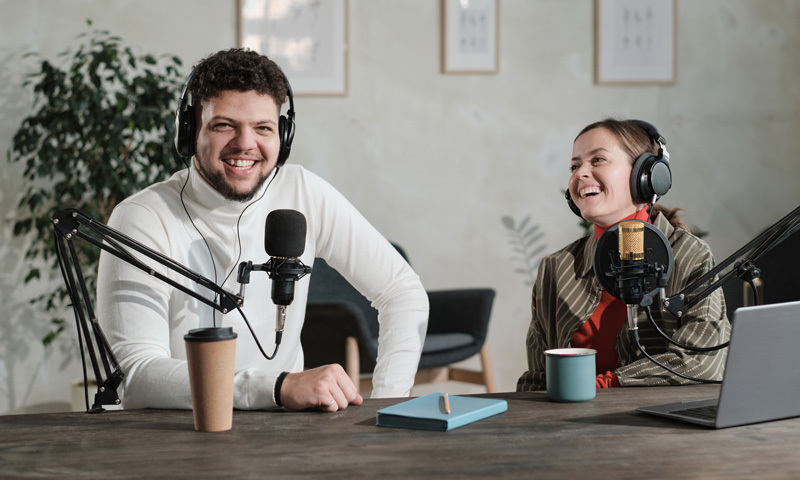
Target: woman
[(570, 310)]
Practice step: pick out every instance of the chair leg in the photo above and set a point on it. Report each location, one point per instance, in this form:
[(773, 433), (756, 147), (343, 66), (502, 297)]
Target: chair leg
[(483, 377), (432, 375), (463, 375), (366, 385), (488, 374), (352, 362), (749, 295), (353, 366)]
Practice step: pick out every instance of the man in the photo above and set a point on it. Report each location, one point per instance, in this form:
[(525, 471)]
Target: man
[(210, 217)]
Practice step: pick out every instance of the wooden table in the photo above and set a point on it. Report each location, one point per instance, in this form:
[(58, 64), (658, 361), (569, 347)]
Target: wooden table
[(603, 438)]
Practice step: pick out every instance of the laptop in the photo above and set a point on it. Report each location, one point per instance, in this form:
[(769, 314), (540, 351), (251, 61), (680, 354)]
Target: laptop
[(762, 374)]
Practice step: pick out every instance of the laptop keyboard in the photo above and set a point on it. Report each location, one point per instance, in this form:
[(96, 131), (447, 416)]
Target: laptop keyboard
[(705, 413)]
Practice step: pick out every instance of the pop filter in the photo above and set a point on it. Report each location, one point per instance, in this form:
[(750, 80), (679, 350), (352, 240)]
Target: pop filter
[(657, 252)]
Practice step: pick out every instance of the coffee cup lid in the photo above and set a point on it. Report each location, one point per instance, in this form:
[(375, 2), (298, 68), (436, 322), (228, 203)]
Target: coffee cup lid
[(212, 334)]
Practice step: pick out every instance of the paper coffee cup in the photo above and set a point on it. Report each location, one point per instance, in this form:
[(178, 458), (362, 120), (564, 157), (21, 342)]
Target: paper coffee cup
[(570, 374), (211, 357)]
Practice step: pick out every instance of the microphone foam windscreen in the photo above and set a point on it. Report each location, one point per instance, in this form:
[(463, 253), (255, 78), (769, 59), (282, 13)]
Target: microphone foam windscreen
[(285, 233)]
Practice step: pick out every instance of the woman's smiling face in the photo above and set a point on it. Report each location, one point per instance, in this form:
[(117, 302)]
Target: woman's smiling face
[(600, 180)]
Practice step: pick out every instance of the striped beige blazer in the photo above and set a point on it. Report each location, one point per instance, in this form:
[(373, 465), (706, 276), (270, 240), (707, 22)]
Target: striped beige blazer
[(566, 293)]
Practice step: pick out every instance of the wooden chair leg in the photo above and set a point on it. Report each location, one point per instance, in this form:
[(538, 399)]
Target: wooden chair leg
[(432, 375), (352, 362), (366, 385), (483, 377), (353, 367), (488, 374), (749, 296)]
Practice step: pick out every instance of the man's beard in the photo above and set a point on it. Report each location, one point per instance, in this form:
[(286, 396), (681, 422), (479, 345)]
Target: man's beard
[(217, 180)]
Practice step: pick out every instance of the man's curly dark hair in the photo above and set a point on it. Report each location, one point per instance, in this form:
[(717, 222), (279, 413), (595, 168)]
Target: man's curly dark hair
[(237, 69)]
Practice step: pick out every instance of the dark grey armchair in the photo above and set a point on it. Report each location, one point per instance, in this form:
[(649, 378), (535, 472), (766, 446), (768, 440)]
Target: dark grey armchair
[(342, 327)]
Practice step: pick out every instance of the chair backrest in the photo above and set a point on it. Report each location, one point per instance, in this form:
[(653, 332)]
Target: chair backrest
[(326, 285), (780, 271)]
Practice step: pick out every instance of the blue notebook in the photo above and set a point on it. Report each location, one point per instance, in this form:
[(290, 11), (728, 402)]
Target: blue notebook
[(428, 412)]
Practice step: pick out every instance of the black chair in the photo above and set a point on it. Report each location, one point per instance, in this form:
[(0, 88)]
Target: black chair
[(780, 271), (342, 327)]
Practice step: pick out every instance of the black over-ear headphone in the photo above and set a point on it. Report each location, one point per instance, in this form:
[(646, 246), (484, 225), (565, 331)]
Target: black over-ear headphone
[(651, 176), (185, 125)]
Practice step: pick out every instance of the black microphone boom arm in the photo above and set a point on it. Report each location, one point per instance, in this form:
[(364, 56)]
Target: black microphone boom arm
[(744, 267), (67, 225)]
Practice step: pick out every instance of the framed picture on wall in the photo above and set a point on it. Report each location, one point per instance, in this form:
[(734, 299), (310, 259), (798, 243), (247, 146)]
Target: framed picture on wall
[(635, 41), (470, 34), (308, 39)]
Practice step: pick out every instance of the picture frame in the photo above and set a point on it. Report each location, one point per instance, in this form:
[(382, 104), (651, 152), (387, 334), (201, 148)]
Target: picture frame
[(470, 36), (308, 39), (635, 42)]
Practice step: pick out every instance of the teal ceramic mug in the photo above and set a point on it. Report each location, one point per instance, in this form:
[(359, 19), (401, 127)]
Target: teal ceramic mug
[(570, 374)]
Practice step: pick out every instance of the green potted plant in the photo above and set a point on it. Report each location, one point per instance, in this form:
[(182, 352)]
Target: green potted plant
[(101, 129)]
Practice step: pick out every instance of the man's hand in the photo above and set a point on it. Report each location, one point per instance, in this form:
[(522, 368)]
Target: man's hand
[(327, 388)]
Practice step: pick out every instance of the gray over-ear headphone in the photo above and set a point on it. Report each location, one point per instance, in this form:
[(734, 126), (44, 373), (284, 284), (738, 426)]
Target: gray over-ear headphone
[(651, 176), (186, 128)]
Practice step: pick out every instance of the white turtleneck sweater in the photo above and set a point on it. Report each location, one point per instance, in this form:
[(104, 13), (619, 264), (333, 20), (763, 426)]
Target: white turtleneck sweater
[(145, 319)]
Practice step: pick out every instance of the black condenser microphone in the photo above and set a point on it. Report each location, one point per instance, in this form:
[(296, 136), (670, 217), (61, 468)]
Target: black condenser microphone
[(633, 261), (284, 241)]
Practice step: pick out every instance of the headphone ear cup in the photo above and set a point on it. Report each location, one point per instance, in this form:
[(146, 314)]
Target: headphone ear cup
[(571, 204), (283, 153), (650, 176), (660, 177), (286, 134), (185, 130), (637, 178)]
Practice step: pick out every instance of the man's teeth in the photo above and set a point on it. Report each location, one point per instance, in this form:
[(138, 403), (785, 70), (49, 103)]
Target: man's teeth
[(589, 191), (240, 163)]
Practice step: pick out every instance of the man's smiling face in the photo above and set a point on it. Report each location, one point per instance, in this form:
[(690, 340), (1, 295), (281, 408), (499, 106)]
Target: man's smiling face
[(237, 142)]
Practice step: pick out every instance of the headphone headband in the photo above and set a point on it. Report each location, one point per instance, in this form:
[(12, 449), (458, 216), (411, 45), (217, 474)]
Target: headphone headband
[(655, 136), (650, 129)]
